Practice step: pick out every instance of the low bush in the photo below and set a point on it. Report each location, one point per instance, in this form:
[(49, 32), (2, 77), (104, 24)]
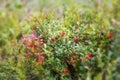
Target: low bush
[(78, 43), (75, 46)]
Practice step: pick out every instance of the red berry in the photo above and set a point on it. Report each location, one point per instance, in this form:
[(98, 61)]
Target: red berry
[(52, 39), (80, 59), (56, 37), (65, 71), (76, 39), (110, 35), (88, 56), (62, 33), (31, 47)]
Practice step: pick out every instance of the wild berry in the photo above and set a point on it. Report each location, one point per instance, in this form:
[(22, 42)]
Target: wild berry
[(62, 33), (88, 56), (110, 35), (80, 59), (56, 37), (31, 47), (76, 38), (52, 39), (65, 71)]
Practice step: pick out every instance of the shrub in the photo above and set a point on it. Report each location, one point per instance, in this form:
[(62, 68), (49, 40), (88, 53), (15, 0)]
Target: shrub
[(79, 42), (75, 46)]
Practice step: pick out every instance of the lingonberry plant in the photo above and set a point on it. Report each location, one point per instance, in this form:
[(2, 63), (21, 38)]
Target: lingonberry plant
[(72, 48), (74, 41)]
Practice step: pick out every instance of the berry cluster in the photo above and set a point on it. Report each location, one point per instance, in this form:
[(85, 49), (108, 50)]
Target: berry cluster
[(33, 44)]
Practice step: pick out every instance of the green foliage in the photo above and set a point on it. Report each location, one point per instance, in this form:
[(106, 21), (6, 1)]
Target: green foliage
[(8, 32), (90, 26)]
